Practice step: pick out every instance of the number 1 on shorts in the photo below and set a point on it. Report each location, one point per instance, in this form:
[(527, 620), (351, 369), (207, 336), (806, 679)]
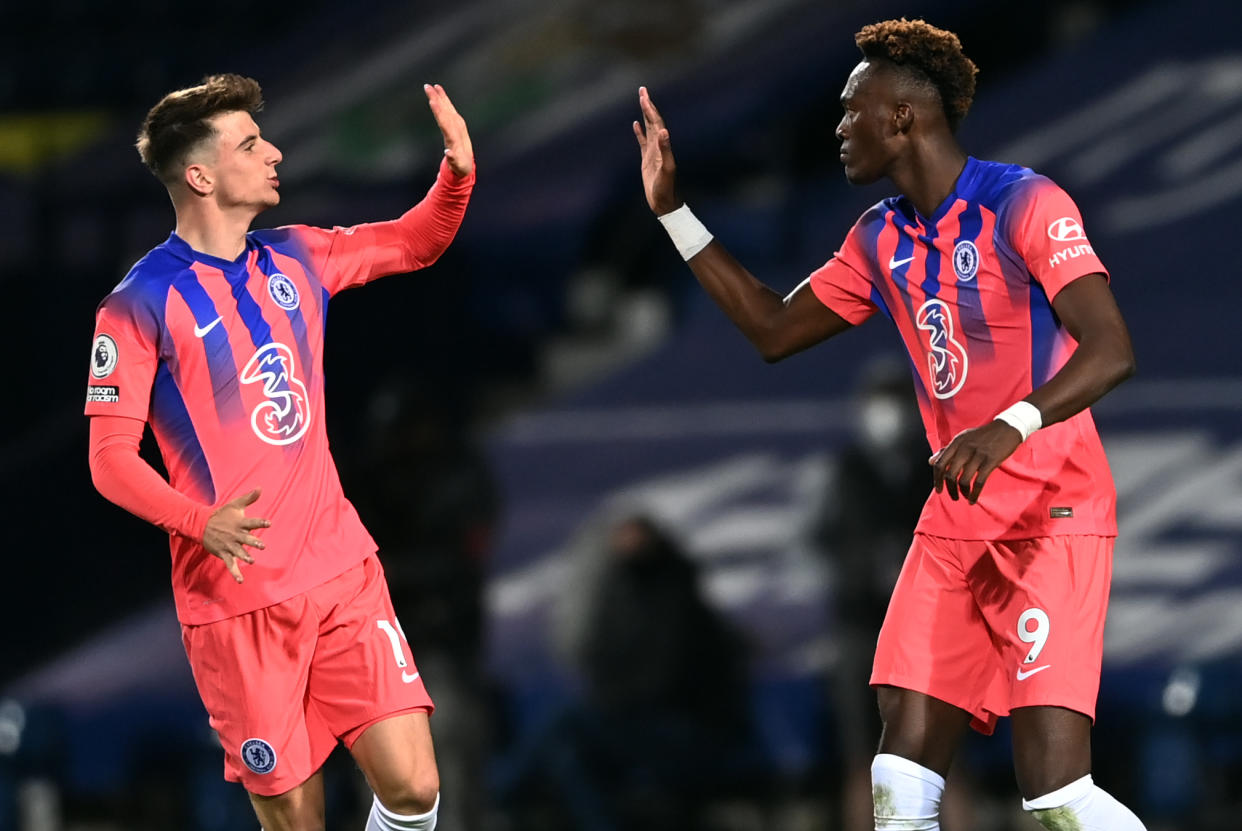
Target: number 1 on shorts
[(395, 640)]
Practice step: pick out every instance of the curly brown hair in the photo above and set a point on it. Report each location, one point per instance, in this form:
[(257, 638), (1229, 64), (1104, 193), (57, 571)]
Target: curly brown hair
[(178, 124), (935, 55)]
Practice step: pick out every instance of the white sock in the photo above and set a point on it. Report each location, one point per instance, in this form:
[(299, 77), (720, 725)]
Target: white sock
[(382, 819), (905, 794), (1081, 806)]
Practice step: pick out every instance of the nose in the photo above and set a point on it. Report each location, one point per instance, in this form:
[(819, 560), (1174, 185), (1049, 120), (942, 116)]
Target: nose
[(274, 156), (840, 131)]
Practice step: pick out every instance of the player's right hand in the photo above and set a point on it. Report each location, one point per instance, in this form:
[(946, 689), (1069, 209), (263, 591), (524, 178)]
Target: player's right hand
[(228, 533), (658, 168)]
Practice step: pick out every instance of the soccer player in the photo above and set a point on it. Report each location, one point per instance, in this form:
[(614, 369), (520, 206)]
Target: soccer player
[(1012, 333), (215, 339)]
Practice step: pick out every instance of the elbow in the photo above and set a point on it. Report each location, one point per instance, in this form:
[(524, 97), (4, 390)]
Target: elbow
[(98, 477), (1125, 367), (772, 349), (1127, 370), (771, 356)]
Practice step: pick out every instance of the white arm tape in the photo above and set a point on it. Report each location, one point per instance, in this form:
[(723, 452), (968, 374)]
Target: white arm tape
[(1023, 417), (688, 234)]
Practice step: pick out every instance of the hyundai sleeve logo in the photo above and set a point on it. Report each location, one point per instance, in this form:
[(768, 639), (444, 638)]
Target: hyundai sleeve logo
[(1065, 229)]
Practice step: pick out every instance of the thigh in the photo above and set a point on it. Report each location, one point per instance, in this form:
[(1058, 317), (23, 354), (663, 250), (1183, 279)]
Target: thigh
[(1051, 748), (1045, 601), (920, 728), (363, 670), (934, 640), (251, 671), (398, 759), (300, 809)]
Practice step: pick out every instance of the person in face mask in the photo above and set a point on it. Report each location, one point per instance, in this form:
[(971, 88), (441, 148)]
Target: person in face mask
[(871, 503)]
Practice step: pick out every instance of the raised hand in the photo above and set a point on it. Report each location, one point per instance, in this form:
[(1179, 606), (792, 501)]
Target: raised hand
[(457, 147), (228, 533), (658, 168), (965, 464)]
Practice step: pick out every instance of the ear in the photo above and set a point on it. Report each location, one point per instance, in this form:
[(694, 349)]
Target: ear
[(199, 180), (903, 118)]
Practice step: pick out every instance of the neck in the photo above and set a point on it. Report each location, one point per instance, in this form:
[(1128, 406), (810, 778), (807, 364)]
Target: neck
[(213, 231), (928, 174)]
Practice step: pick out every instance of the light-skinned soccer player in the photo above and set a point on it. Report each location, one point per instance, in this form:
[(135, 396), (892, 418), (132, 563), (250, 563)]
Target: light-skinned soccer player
[(215, 339), (1013, 332)]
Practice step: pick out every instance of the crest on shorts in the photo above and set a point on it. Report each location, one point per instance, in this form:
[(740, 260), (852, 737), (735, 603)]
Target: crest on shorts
[(258, 755), (283, 291), (965, 260)]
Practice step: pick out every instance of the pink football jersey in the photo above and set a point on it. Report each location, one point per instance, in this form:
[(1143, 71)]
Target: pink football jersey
[(970, 290), (224, 359)]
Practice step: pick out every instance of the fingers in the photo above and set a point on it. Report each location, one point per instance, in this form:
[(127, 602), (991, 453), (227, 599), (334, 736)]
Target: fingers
[(961, 470), (982, 477), (252, 522), (457, 147), (650, 114), (247, 499), (230, 562)]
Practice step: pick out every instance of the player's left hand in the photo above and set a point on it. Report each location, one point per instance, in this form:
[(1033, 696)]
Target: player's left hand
[(457, 147), (970, 458)]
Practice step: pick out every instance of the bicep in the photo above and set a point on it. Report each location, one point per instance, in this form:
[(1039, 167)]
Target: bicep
[(806, 321), (1086, 307)]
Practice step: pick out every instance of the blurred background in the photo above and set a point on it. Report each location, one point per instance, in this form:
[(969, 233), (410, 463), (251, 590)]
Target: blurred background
[(640, 569)]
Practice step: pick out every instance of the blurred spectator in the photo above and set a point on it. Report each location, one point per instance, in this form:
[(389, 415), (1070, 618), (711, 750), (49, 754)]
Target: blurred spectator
[(864, 524), (662, 714), (428, 496)]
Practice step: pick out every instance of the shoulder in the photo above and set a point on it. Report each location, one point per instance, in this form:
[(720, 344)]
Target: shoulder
[(874, 218), (284, 238), (1004, 187), (147, 283), (301, 242)]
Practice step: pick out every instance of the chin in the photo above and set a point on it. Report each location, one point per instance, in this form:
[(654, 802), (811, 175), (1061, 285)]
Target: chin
[(860, 177)]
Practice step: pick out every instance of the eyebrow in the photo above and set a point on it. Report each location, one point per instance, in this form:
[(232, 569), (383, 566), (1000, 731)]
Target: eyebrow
[(251, 137)]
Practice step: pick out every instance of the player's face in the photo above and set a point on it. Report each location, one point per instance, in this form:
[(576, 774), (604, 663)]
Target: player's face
[(244, 168), (866, 131)]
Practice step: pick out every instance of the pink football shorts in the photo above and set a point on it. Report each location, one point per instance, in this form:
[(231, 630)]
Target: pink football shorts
[(284, 683), (990, 626)]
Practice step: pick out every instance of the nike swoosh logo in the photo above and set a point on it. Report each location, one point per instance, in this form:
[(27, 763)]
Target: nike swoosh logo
[(407, 677), (896, 263), (200, 331), (1023, 675)]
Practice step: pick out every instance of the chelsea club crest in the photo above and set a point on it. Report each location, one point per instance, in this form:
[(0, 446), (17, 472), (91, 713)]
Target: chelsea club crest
[(258, 755), (965, 260), (284, 293)]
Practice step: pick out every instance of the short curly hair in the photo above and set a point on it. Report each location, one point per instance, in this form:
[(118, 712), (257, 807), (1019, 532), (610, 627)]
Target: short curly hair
[(178, 124), (933, 54)]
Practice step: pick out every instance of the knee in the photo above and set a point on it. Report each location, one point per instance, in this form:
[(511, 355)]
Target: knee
[(411, 796)]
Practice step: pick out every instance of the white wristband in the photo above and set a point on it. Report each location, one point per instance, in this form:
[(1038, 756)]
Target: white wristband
[(688, 234), (1023, 417)]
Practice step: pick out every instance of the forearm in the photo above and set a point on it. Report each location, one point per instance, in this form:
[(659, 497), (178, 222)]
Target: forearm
[(1104, 357), (429, 227), (122, 477), (1098, 365), (754, 308)]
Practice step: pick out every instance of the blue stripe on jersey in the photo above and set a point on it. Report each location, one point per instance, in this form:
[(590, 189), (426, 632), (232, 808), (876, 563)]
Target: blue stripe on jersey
[(251, 314), (168, 410), (216, 348), (969, 303), (904, 249), (296, 321), (931, 267), (1044, 326)]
